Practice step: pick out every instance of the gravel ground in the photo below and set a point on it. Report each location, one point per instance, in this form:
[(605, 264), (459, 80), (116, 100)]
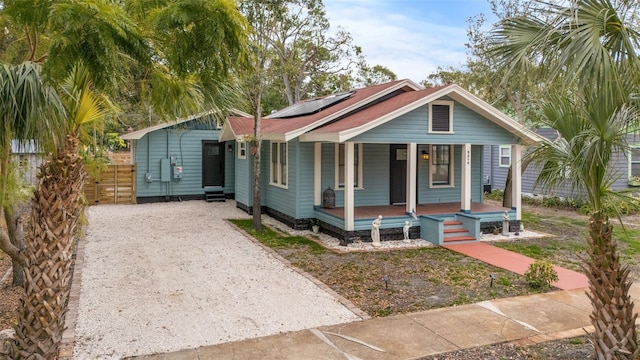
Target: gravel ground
[(168, 276)]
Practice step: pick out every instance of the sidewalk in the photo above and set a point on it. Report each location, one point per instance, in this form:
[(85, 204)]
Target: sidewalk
[(517, 263), (526, 320)]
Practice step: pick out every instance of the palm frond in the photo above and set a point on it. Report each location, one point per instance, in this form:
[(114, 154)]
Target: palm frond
[(29, 108)]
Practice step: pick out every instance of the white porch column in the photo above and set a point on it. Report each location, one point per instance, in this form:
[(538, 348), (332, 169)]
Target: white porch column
[(516, 179), (465, 179), (348, 186), (317, 174), (412, 170)]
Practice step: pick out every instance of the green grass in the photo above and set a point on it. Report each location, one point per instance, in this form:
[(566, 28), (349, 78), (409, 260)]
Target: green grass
[(274, 239), (571, 221), (530, 250), (530, 218), (630, 237)]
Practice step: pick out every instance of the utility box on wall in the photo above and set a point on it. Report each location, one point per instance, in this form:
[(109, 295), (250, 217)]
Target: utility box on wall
[(165, 170), (177, 172)]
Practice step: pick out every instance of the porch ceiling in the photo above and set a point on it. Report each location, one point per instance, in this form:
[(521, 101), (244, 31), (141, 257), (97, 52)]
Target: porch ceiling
[(370, 212)]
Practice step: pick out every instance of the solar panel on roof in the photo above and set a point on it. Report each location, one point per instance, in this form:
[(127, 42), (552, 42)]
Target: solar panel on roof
[(309, 106)]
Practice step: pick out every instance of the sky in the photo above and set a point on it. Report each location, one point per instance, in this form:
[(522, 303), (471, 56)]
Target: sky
[(410, 37)]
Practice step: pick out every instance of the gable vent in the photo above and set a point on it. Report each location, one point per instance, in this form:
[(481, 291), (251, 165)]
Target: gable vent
[(440, 118)]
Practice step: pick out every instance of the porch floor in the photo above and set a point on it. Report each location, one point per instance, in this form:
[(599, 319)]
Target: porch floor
[(367, 212)]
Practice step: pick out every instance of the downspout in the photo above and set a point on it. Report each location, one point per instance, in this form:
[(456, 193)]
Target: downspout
[(149, 145)]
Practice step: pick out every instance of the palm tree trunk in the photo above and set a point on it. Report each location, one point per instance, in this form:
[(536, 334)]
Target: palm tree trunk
[(612, 309), (57, 206)]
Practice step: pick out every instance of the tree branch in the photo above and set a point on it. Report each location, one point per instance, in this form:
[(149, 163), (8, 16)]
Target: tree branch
[(14, 253)]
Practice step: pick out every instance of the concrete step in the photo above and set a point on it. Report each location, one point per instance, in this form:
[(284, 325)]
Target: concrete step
[(459, 239), (212, 196)]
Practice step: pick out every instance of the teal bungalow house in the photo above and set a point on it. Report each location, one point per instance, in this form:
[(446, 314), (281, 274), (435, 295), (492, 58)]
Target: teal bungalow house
[(182, 160), (396, 150)]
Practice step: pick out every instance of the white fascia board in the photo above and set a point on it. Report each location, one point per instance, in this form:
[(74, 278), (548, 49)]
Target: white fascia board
[(327, 137), (274, 137), (226, 133), (139, 134), (458, 94), (479, 105), (348, 134), (299, 132)]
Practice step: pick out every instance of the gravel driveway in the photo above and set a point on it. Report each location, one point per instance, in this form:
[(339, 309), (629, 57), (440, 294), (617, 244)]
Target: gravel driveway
[(168, 276)]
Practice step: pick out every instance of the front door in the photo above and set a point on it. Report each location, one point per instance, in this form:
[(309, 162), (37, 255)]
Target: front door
[(398, 173), (212, 163)]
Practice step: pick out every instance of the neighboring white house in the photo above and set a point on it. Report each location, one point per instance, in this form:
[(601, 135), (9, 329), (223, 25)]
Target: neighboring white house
[(28, 157)]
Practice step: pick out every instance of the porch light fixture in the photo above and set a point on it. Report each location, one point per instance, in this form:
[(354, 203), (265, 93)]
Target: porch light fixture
[(230, 148), (425, 155)]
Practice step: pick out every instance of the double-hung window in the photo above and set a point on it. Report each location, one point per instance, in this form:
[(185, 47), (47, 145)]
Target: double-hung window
[(505, 156), (242, 150), (441, 166), (634, 165), (340, 165), (441, 117), (278, 171)]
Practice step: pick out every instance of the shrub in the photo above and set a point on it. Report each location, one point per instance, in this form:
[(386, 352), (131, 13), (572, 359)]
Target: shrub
[(541, 274), (495, 194)]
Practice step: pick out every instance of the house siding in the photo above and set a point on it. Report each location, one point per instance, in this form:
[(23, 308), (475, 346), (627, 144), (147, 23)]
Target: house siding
[(468, 127), (498, 175), (376, 191), (305, 175), (185, 146), (277, 197), (243, 180), (428, 195)]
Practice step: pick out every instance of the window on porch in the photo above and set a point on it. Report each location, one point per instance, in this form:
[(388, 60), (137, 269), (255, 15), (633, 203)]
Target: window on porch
[(340, 164), (441, 117), (441, 166), (278, 168), (505, 155), (634, 165)]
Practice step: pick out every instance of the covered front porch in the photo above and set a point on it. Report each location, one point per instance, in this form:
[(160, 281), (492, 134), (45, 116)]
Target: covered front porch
[(437, 223), (422, 197), (370, 212)]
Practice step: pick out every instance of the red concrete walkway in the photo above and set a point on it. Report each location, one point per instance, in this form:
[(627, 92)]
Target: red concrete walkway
[(517, 263)]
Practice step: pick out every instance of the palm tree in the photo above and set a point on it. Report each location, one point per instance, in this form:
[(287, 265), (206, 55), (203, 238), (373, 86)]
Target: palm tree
[(593, 112), (56, 209), (27, 108)]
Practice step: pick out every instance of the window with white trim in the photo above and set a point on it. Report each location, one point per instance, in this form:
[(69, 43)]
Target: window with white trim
[(441, 166), (505, 156), (242, 150), (634, 164), (441, 117), (357, 168), (278, 170)]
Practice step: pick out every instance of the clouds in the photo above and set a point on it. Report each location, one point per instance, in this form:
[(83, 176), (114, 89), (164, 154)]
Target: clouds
[(410, 37)]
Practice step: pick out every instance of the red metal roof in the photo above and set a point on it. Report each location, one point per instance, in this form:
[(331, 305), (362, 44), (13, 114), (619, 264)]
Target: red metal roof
[(376, 111), (245, 126)]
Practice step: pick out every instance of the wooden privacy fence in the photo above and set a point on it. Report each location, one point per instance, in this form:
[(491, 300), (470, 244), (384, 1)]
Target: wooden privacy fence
[(117, 185)]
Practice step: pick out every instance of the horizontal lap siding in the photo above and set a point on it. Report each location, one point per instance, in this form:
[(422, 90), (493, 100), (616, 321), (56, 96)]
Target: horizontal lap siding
[(229, 168), (468, 127), (376, 176), (186, 148), (276, 197), (305, 165), (243, 180), (477, 183), (439, 195), (375, 159)]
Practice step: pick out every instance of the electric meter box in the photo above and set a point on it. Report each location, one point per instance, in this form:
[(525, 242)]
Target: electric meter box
[(177, 172)]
